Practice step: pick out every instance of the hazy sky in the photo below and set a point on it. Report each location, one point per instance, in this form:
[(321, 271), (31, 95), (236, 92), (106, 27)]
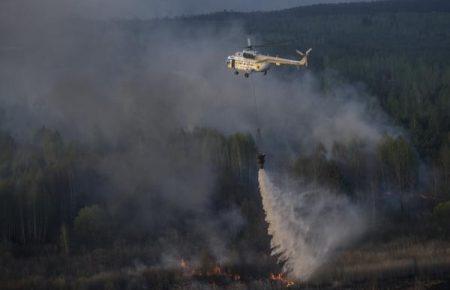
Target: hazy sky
[(149, 8)]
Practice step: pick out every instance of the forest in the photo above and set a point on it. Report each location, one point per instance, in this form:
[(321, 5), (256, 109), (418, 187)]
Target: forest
[(124, 213)]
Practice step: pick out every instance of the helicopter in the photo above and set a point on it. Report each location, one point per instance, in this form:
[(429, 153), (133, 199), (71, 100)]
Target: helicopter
[(249, 60)]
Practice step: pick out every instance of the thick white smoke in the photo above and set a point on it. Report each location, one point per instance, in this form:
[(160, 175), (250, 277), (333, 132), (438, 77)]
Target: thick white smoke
[(307, 226)]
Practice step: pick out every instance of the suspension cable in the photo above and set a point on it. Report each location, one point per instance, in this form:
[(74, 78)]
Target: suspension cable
[(257, 118)]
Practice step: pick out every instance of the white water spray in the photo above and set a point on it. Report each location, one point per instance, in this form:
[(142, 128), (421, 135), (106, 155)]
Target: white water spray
[(306, 227)]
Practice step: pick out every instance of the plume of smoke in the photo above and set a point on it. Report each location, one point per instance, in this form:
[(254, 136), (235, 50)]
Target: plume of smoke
[(307, 226)]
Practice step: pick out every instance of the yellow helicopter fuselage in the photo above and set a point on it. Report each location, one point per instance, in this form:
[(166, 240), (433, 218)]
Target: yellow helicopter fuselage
[(249, 61)]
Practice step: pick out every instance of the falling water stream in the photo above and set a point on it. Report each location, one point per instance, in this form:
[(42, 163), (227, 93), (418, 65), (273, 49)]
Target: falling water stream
[(307, 226)]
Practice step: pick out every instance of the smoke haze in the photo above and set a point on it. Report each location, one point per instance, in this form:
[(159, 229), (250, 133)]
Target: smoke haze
[(128, 86)]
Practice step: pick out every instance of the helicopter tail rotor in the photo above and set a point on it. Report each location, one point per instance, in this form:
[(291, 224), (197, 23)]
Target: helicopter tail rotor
[(304, 58)]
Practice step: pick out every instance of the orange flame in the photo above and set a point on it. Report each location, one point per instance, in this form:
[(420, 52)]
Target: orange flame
[(189, 270), (215, 271), (218, 271), (186, 268), (282, 279), (183, 264)]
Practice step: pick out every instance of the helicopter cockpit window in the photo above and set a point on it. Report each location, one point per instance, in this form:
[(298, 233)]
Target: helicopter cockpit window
[(249, 55)]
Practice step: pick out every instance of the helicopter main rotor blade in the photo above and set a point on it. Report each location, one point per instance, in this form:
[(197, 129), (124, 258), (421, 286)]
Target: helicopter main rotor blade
[(272, 44)]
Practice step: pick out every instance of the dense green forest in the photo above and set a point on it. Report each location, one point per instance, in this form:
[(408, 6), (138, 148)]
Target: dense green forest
[(61, 216)]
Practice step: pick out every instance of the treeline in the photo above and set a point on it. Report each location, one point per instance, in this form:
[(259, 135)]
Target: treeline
[(43, 185), (400, 195), (355, 170), (53, 193)]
